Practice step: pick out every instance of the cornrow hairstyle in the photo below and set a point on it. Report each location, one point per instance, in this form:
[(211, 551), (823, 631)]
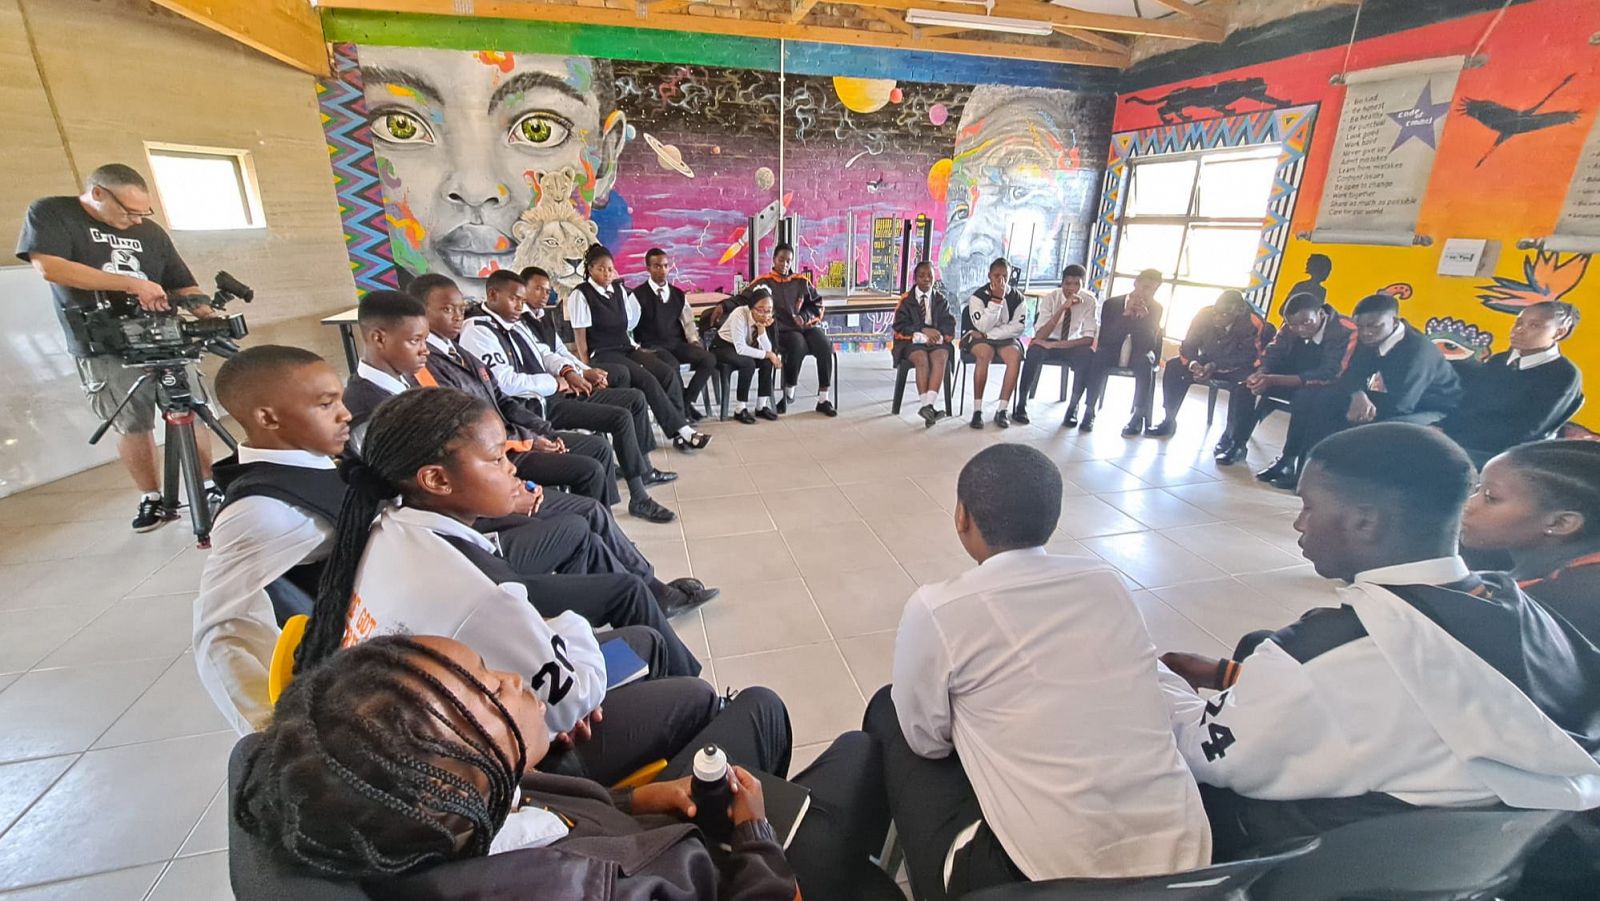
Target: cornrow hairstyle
[(427, 283), (1566, 475), (408, 431), (501, 279), (243, 375), (593, 255), (371, 764)]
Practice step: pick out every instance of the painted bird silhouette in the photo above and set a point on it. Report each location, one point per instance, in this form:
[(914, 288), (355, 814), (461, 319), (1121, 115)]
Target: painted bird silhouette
[(1506, 122)]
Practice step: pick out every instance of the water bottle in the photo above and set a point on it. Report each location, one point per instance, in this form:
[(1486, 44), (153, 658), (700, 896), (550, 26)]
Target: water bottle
[(712, 794)]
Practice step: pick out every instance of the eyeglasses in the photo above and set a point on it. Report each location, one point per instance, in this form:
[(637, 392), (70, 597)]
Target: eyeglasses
[(137, 214)]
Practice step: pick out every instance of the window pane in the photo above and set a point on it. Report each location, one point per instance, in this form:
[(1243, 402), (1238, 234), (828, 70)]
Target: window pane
[(1220, 256), (1161, 189), (1187, 300), (201, 191), (1149, 247), (1237, 188)]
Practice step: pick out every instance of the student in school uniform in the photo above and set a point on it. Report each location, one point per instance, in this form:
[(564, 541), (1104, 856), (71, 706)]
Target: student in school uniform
[(1522, 394), (392, 360), (406, 560), (1134, 320), (275, 526), (667, 328), (1223, 343), (495, 337), (744, 341), (924, 335), (603, 314), (1067, 322), (1025, 734), (1396, 373), (799, 334), (995, 317), (1303, 364)]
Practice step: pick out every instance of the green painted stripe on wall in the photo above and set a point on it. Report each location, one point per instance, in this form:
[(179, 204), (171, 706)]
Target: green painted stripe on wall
[(520, 36)]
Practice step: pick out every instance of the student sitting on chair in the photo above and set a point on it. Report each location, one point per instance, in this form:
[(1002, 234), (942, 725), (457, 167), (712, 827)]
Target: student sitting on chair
[(798, 310), (1307, 356), (495, 335), (1067, 321), (744, 341), (407, 763), (1223, 343), (407, 558), (924, 332), (1541, 503), (1396, 373), (1025, 734), (1522, 394), (995, 316), (1132, 320), (603, 315), (667, 328), (1429, 686)]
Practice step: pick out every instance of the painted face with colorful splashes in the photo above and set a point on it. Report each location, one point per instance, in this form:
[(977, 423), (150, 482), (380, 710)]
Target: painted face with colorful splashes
[(459, 137)]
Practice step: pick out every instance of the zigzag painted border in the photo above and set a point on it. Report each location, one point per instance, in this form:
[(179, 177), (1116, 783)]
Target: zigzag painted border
[(1290, 128), (355, 173)]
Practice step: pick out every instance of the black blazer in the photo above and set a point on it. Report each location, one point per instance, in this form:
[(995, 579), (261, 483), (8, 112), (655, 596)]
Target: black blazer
[(520, 414)]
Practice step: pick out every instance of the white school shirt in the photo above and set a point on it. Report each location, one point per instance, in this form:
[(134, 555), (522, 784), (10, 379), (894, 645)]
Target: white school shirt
[(411, 581), (1038, 672), (736, 330), (1517, 361), (479, 339), (253, 542), (580, 316), (1082, 321), (382, 379)]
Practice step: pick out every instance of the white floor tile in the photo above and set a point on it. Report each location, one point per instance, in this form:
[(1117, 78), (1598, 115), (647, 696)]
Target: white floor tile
[(813, 681), (177, 705), (22, 783), (62, 711), (133, 882), (762, 616), (202, 878)]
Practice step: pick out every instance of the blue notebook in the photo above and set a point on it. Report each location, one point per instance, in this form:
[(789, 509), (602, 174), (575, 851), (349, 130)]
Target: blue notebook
[(622, 664)]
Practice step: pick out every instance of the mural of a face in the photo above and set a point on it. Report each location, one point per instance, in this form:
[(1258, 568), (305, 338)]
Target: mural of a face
[(461, 137), (1015, 176)]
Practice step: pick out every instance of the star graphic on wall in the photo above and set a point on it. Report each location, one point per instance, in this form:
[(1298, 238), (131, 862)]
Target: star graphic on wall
[(1419, 121)]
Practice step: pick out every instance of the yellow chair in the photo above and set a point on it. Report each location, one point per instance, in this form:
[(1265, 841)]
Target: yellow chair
[(281, 672)]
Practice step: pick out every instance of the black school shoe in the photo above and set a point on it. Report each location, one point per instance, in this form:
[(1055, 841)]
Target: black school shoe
[(659, 477), (977, 419), (1071, 419), (1087, 425), (1020, 416), (686, 595), (1164, 430), (1000, 419), (1134, 428), (825, 407), (153, 514), (646, 508), (929, 415), (767, 414), (1280, 468), (783, 404), (1231, 454), (745, 416), (700, 440)]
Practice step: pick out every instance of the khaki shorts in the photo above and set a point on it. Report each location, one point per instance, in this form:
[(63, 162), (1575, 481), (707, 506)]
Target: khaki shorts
[(106, 381)]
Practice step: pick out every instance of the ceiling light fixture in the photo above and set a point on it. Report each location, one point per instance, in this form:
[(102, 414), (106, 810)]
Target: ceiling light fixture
[(941, 19)]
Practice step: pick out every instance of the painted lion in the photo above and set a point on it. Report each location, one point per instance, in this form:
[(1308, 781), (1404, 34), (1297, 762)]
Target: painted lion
[(551, 234)]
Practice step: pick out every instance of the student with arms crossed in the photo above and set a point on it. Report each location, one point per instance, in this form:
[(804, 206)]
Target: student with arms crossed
[(924, 335), (1429, 686), (667, 328), (371, 748), (1067, 322), (1025, 734), (744, 341)]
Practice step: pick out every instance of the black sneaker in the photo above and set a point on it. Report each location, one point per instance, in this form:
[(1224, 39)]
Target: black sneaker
[(977, 419), (767, 414), (647, 509), (929, 415), (153, 514), (825, 407), (1020, 416), (1000, 419), (745, 416)]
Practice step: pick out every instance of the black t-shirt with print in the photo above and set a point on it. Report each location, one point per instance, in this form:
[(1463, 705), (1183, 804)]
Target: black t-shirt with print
[(60, 227)]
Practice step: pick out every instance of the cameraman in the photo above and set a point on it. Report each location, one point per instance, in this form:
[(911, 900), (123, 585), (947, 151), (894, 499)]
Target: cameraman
[(102, 240)]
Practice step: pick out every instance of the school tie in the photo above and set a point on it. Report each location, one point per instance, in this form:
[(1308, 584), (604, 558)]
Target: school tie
[(927, 307), (455, 356), (527, 360)]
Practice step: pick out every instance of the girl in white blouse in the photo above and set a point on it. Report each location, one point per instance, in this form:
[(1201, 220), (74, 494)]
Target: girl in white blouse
[(745, 342)]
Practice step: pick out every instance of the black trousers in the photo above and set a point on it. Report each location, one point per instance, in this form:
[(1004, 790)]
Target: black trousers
[(1176, 379), (588, 468), (641, 722), (615, 600), (597, 517), (1078, 359), (646, 372), (931, 802), (552, 542), (745, 367), (619, 413), (1142, 361), (702, 365), (794, 345)]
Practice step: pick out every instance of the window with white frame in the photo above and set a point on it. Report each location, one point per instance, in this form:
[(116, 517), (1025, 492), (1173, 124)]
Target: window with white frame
[(205, 188), (1196, 217)]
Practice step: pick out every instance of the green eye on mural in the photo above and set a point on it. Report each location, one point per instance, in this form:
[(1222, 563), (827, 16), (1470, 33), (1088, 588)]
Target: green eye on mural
[(539, 130), (399, 127)]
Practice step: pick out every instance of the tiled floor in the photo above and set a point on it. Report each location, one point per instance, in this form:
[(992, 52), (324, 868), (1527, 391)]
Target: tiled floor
[(112, 757)]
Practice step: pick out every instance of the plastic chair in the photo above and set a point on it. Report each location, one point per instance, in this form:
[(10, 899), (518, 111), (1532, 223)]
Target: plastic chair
[(1214, 883), (1423, 855), (281, 671), (904, 368)]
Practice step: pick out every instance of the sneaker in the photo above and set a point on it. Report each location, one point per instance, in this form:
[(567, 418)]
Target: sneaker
[(745, 416), (153, 514), (767, 414), (929, 414), (977, 419), (1020, 416), (825, 407), (700, 440), (647, 509), (1001, 421)]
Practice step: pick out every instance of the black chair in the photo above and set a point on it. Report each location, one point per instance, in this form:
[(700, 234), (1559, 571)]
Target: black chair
[(903, 368), (1219, 882), (1066, 372), (1129, 371), (1422, 855)]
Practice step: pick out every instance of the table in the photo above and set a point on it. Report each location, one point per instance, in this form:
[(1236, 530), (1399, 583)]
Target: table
[(346, 323)]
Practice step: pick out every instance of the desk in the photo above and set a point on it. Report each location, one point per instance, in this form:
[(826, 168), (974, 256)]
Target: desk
[(346, 322)]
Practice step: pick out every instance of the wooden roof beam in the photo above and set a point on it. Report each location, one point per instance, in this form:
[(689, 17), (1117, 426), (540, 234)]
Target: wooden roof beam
[(1094, 39), (1197, 13), (1168, 27), (289, 31)]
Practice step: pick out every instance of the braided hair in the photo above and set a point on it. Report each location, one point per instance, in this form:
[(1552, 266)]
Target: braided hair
[(371, 765), (1566, 475), (408, 431), (593, 255)]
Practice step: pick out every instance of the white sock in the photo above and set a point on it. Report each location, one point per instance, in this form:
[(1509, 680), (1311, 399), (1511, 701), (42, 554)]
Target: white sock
[(788, 394), (686, 433), (150, 496), (764, 402), (210, 484), (928, 397), (738, 406)]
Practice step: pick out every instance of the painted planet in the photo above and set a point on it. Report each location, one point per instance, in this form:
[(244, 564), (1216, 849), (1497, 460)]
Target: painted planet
[(765, 179), (939, 179), (897, 95), (669, 156), (863, 95), (629, 133), (716, 150), (938, 114)]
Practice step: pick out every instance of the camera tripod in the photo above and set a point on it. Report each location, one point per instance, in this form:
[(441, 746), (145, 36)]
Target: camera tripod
[(179, 409)]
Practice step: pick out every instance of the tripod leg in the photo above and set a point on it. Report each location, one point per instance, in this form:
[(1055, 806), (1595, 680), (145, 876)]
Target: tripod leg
[(170, 469), (181, 433), (203, 410)]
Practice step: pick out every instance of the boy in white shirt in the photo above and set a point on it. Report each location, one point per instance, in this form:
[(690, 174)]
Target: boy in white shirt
[(1067, 322), (1026, 735)]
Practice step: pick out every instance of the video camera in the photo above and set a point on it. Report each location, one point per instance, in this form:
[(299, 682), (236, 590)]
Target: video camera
[(117, 326)]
